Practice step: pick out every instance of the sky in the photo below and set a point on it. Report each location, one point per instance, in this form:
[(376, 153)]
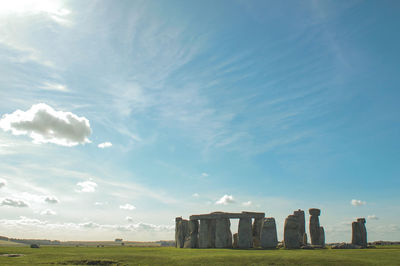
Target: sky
[(118, 116)]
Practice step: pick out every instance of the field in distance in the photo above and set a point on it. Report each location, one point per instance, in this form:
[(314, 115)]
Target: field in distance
[(125, 255)]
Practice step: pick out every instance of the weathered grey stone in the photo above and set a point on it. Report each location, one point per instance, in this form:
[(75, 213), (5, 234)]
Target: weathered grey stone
[(192, 241), (345, 246), (207, 233), (322, 236), (302, 225), (314, 211), (177, 232), (182, 231), (291, 235), (203, 233), (229, 215), (211, 233), (363, 230), (300, 214), (223, 234), (314, 226), (269, 238), (235, 240), (359, 233), (256, 231), (245, 239)]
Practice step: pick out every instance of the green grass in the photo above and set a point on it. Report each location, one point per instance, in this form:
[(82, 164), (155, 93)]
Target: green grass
[(59, 255), (10, 243)]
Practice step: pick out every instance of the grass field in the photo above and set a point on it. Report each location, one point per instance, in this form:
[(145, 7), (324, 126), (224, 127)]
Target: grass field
[(10, 243), (51, 255)]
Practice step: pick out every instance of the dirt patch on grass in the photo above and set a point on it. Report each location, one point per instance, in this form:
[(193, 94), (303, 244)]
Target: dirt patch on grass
[(12, 255), (90, 262)]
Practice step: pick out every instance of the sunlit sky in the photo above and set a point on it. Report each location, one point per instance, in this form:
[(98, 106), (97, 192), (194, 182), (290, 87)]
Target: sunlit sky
[(118, 116)]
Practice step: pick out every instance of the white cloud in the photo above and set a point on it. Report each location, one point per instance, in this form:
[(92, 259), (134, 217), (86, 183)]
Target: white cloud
[(225, 200), (14, 203), (48, 212), (86, 186), (45, 125), (2, 182), (99, 203), (54, 87), (25, 222), (53, 8), (51, 199), (104, 145), (196, 195), (247, 203), (204, 174), (372, 217), (127, 206), (129, 219), (355, 202)]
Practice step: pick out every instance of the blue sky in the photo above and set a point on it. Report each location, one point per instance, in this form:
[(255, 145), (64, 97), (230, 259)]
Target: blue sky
[(230, 105)]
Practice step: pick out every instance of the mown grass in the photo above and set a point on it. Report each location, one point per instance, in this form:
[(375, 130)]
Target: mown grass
[(10, 243), (53, 255)]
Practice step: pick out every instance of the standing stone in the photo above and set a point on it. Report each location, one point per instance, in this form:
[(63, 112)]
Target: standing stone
[(302, 228), (211, 233), (359, 234), (223, 234), (203, 233), (356, 234), (269, 238), (322, 236), (182, 229), (191, 240), (256, 231), (245, 239), (235, 240), (177, 232), (363, 230), (291, 235), (314, 226)]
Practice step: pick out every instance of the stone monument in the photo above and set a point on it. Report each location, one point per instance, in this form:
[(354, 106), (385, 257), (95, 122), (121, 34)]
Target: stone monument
[(291, 234), (359, 233), (269, 238), (302, 226), (314, 226), (214, 231)]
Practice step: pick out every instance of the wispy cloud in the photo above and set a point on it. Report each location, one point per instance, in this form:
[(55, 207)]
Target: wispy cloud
[(54, 87), (372, 217), (86, 186), (127, 206), (356, 202), (2, 182), (14, 203), (247, 203), (51, 200), (104, 145), (48, 212)]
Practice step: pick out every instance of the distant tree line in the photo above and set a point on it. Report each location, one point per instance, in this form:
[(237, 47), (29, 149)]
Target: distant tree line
[(32, 241)]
